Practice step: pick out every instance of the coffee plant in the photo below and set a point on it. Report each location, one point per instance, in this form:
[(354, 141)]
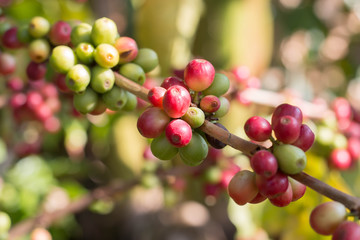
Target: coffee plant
[(106, 135)]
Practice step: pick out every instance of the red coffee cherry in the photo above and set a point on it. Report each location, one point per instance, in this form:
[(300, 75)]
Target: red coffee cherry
[(178, 132), (176, 101), (305, 139), (286, 110), (156, 95), (199, 74), (152, 122), (273, 186), (264, 163), (171, 81), (258, 129), (287, 129)]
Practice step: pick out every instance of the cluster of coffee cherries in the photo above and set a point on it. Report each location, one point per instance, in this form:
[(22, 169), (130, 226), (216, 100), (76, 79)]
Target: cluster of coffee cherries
[(331, 218), (271, 168), (339, 137), (89, 66), (180, 107)]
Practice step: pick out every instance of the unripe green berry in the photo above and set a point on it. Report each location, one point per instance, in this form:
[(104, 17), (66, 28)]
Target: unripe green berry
[(104, 30), (78, 78), (39, 27), (86, 101), (5, 222), (102, 79), (133, 72), (62, 59), (115, 99), (224, 107), (162, 148), (39, 50), (219, 86), (147, 59), (131, 102), (194, 116), (195, 151), (106, 55), (291, 159), (85, 53), (81, 33)]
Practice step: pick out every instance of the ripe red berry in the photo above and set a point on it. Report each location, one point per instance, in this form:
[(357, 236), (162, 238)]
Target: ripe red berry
[(34, 99), (258, 129), (286, 110), (156, 95), (15, 83), (283, 199), (178, 132), (7, 63), (264, 163), (176, 101), (36, 71), (171, 81), (60, 81), (298, 189), (17, 100), (152, 122), (210, 103), (347, 230), (60, 33), (273, 186), (342, 108), (305, 139), (287, 129), (127, 49), (353, 147), (242, 188), (258, 198), (199, 74), (340, 159), (10, 39)]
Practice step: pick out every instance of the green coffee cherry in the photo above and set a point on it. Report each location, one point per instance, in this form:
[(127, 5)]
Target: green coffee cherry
[(224, 107), (5, 222), (104, 30), (162, 148), (115, 99), (78, 78), (86, 101), (219, 86), (102, 79), (62, 59), (147, 59), (291, 159), (195, 152), (133, 72), (194, 116), (39, 27), (85, 53), (131, 102), (106, 55), (81, 33), (39, 50)]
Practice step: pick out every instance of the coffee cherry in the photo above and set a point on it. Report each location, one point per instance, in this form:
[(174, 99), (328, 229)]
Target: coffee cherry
[(133, 72), (176, 101), (36, 71), (127, 49), (340, 159), (194, 116), (224, 107), (242, 187), (199, 74), (156, 95), (5, 223), (17, 100), (131, 102), (162, 148), (15, 84), (152, 122), (78, 78), (342, 108), (34, 99), (264, 163), (86, 101), (215, 142), (81, 33), (100, 107), (258, 198), (178, 132), (273, 186), (7, 63), (115, 99), (147, 59), (219, 86), (60, 33), (305, 139), (102, 79), (39, 27), (286, 110), (353, 147), (298, 189), (39, 50), (195, 151), (60, 82), (283, 199), (287, 129), (62, 59), (291, 159), (210, 103), (171, 81), (10, 39), (258, 129), (85, 53), (106, 55), (326, 217), (104, 30), (347, 230), (43, 112), (52, 124)]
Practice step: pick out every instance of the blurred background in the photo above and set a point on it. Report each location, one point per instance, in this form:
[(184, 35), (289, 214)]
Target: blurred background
[(297, 51)]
